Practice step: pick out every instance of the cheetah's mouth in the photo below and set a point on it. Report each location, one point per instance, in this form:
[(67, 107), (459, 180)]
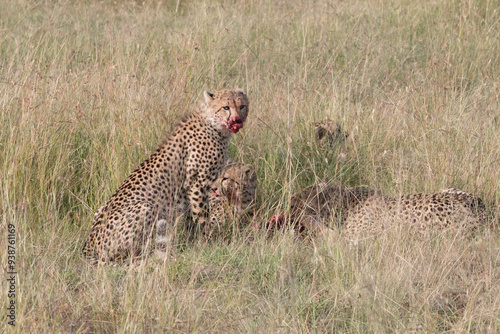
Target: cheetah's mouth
[(235, 126)]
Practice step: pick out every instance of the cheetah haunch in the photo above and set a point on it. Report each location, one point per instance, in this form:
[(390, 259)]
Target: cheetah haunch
[(173, 181)]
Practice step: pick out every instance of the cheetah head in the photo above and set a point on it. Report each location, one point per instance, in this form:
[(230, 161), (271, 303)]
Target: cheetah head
[(331, 131), (226, 110)]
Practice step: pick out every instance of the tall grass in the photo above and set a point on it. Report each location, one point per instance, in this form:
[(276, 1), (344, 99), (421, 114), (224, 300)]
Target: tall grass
[(88, 90)]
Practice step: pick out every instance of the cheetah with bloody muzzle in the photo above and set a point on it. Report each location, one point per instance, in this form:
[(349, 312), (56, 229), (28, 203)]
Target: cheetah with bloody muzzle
[(173, 181), (362, 211)]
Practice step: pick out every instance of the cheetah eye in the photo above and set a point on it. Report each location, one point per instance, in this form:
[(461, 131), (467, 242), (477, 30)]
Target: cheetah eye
[(225, 108), (242, 107)]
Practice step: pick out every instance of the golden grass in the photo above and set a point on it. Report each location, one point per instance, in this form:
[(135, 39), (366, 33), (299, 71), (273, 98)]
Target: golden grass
[(89, 89)]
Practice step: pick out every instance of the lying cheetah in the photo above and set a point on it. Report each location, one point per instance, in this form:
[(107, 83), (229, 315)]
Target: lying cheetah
[(330, 132), (174, 180), (233, 195), (363, 210)]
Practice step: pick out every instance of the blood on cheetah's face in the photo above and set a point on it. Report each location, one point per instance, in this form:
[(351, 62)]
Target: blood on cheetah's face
[(227, 109)]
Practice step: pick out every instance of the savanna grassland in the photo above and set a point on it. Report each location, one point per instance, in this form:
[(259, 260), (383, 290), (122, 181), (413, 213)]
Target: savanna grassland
[(88, 89)]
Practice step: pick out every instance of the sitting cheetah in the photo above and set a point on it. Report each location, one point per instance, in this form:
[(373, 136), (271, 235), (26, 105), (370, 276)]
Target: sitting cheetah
[(328, 131), (173, 181), (363, 210), (233, 195)]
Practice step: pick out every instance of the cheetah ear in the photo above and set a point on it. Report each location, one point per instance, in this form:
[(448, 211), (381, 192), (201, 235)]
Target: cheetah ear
[(248, 169), (230, 161), (209, 97)]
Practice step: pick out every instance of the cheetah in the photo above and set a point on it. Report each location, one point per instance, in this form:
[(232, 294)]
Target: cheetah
[(329, 132), (232, 198), (233, 195), (174, 181), (364, 210)]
